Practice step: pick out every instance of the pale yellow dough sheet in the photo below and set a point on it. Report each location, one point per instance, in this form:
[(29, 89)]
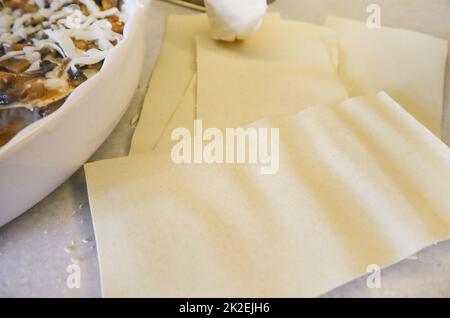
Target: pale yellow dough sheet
[(410, 66), (282, 69), (184, 117), (172, 74), (359, 183)]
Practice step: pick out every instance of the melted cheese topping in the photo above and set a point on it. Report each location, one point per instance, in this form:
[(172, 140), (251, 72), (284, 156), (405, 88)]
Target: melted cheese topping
[(62, 22)]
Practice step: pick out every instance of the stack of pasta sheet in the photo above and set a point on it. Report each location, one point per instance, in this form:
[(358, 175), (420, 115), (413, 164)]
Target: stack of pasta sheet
[(339, 165)]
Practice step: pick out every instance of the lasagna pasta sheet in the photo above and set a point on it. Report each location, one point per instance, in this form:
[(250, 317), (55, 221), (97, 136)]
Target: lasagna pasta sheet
[(171, 77), (359, 183), (281, 69), (183, 116), (410, 66)]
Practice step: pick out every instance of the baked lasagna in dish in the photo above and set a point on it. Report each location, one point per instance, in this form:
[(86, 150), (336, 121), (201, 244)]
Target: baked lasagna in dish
[(47, 49)]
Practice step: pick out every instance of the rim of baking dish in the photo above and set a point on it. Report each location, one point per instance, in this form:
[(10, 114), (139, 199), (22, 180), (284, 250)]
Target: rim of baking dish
[(133, 8)]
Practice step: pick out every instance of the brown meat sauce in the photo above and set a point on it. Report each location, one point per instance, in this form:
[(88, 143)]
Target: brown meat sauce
[(21, 87)]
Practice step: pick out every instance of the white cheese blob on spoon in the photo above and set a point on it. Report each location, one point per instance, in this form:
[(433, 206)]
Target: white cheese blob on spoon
[(232, 20)]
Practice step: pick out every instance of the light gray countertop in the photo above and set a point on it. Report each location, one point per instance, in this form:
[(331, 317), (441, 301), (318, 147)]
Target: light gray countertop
[(33, 260)]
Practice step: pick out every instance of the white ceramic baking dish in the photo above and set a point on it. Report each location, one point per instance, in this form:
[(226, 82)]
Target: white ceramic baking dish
[(46, 153)]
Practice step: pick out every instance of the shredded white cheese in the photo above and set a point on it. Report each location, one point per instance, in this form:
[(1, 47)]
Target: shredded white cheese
[(64, 22)]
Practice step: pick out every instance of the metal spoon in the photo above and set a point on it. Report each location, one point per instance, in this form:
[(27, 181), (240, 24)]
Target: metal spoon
[(196, 4)]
